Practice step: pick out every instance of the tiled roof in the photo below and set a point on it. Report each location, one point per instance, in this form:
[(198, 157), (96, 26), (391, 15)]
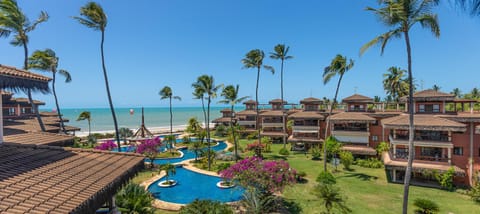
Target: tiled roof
[(430, 95), (25, 100), (277, 101), (247, 112), (14, 78), (226, 110), (44, 179), (311, 100), (307, 115), (250, 102), (39, 138), (29, 125), (272, 113), (357, 98), (222, 120), (359, 149), (352, 117), (19, 73), (423, 122)]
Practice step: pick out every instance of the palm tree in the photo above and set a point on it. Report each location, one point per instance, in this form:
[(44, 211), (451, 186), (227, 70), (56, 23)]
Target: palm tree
[(13, 20), (92, 16), (125, 132), (85, 115), (133, 198), (457, 92), (435, 87), (254, 59), (196, 147), (281, 53), (339, 66), (193, 126), (206, 85), (331, 198), (475, 93), (166, 93), (230, 95), (394, 82), (169, 169), (47, 60), (402, 15), (470, 6)]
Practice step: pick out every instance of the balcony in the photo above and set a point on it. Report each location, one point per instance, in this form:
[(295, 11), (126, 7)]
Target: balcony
[(437, 142), (247, 122), (306, 129), (354, 137), (271, 125)]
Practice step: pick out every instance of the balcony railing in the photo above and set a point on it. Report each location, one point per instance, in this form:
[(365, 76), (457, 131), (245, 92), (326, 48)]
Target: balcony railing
[(305, 128), (422, 143), (272, 124), (404, 157), (423, 138), (247, 122)]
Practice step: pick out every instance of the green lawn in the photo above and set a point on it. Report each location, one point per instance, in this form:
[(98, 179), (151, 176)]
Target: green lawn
[(367, 190)]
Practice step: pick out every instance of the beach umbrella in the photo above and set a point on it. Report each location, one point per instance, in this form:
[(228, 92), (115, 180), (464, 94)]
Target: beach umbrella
[(15, 79)]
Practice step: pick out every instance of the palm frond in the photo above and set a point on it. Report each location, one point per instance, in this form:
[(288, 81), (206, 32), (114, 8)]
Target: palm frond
[(430, 21), (269, 68), (66, 74), (42, 18), (177, 98)]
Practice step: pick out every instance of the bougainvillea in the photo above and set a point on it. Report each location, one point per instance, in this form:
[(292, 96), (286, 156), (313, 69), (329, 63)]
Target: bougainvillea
[(150, 148), (265, 176), (107, 145)]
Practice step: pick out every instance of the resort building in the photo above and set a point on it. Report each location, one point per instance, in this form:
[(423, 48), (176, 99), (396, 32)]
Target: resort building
[(17, 107), (225, 119), (307, 124), (273, 121), (247, 119), (444, 138)]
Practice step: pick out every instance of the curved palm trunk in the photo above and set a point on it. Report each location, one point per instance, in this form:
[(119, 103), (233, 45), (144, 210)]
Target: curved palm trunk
[(62, 126), (328, 124), (89, 128), (283, 111), (411, 148), (208, 133), (259, 150), (233, 135), (117, 137), (204, 116), (29, 92), (171, 125)]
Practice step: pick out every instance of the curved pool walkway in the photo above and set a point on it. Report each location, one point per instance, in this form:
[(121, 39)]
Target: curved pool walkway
[(164, 205)]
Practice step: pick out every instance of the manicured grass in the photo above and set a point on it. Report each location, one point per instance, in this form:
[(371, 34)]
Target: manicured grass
[(366, 190), (168, 154)]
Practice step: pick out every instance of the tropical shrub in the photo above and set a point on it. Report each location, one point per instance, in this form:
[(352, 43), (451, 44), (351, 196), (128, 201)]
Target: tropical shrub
[(301, 176), (316, 153), (220, 131), (370, 163), (149, 148), (446, 179), (264, 176), (333, 147), (253, 135), (206, 207), (257, 203), (284, 151), (223, 166), (475, 192), (133, 198), (346, 158), (169, 169), (106, 145), (267, 141), (382, 147), (256, 147), (425, 206), (326, 178), (331, 198)]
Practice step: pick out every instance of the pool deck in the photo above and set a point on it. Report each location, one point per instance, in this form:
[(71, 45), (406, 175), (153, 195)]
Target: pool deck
[(187, 165)]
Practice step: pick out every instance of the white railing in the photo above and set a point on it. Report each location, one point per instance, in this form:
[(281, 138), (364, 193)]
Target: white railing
[(272, 124), (305, 128)]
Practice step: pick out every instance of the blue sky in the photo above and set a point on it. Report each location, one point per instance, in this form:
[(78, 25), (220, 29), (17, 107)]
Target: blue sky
[(150, 44)]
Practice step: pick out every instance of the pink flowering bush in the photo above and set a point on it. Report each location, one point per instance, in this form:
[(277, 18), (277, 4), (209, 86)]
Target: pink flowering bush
[(149, 148), (107, 145), (265, 176)]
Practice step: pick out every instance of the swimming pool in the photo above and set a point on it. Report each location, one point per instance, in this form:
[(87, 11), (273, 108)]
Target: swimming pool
[(192, 185), (188, 154)]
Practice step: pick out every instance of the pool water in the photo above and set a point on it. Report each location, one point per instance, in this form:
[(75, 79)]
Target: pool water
[(189, 154), (192, 185)]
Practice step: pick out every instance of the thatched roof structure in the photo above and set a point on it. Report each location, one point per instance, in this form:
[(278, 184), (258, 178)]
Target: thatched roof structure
[(423, 122), (352, 117), (357, 98), (45, 179), (17, 79), (429, 95), (306, 115), (142, 132)]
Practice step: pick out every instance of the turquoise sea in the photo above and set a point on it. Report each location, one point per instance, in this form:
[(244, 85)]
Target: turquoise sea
[(155, 118)]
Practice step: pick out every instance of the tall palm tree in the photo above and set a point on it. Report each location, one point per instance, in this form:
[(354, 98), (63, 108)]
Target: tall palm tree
[(166, 93), (13, 20), (85, 115), (92, 16), (198, 93), (401, 16), (339, 66), (394, 82), (206, 84), (254, 59), (230, 95), (457, 92), (47, 60), (281, 53), (435, 87)]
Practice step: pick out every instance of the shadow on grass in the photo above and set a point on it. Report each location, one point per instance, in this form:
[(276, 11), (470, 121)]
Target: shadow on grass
[(292, 207), (277, 157), (360, 176)]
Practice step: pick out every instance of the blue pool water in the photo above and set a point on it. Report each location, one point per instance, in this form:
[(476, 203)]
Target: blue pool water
[(188, 154), (192, 185)]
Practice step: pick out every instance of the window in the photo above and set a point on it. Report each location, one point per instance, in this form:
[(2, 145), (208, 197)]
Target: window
[(458, 151), (421, 108), (436, 108), (374, 138)]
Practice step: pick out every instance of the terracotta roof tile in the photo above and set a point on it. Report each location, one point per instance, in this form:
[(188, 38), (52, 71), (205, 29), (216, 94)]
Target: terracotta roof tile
[(352, 117), (250, 102), (424, 122), (38, 179), (306, 115), (430, 95), (357, 98), (311, 100), (277, 101)]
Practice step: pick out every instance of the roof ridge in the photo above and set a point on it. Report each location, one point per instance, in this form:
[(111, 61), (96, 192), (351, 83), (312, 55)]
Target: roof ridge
[(34, 146)]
